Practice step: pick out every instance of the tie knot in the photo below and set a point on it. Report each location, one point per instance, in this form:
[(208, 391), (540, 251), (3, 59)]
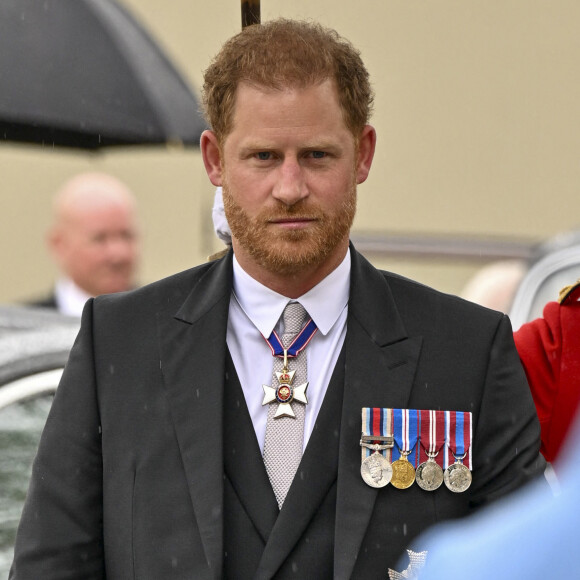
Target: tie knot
[(294, 317)]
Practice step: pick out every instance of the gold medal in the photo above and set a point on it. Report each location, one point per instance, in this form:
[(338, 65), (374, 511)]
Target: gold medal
[(403, 472)]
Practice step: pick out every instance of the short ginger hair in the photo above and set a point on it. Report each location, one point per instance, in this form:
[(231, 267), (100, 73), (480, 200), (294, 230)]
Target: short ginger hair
[(283, 54)]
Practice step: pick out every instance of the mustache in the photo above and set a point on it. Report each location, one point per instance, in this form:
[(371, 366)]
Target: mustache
[(301, 210)]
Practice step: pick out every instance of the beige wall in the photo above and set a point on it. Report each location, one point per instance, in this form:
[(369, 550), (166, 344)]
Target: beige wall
[(477, 111)]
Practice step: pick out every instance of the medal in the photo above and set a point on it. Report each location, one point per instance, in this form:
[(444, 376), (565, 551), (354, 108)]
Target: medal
[(395, 441), (375, 470), (458, 476), (429, 474), (403, 473), (377, 436), (405, 434), (285, 393)]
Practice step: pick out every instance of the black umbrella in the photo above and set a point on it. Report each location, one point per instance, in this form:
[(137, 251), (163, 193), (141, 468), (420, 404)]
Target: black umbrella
[(85, 74)]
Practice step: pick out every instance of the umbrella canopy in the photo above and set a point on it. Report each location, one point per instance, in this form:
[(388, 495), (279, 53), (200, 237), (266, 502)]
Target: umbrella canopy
[(85, 74)]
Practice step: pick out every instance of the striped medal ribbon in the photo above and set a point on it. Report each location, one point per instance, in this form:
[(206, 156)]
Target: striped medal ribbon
[(376, 443), (429, 474), (457, 475)]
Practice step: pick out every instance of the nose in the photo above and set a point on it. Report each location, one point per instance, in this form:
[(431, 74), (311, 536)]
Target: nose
[(290, 186), (121, 248)]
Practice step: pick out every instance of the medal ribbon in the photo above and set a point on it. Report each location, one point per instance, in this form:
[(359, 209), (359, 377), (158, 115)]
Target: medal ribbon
[(298, 344), (432, 431), (405, 430), (377, 421), (459, 437)]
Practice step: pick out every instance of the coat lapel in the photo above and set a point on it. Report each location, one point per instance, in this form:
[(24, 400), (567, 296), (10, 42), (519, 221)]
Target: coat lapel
[(243, 461), (381, 361), (192, 350)]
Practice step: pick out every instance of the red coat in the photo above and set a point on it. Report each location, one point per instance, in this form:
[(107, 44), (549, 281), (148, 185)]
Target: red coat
[(549, 349)]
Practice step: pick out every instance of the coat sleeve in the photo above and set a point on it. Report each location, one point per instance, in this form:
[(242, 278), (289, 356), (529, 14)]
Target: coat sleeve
[(507, 429), (60, 533), (539, 345)]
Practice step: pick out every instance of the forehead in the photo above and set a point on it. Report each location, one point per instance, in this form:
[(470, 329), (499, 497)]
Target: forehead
[(289, 110), (99, 218)]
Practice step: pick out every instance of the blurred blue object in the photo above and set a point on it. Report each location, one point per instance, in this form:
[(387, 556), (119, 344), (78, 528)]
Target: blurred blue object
[(532, 534)]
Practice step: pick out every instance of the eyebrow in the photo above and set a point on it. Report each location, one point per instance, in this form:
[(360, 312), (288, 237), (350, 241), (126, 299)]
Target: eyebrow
[(313, 146)]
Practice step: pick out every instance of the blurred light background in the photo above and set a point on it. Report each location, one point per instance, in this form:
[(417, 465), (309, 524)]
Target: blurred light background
[(478, 118)]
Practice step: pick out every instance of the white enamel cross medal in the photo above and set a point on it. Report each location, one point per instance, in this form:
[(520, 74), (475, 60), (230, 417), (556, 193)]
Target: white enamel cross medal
[(285, 393)]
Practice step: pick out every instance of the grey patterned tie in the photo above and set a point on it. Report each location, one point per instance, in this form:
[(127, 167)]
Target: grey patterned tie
[(285, 435)]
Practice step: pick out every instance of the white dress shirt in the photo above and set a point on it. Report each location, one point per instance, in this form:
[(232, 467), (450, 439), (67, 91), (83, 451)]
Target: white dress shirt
[(70, 299), (255, 311)]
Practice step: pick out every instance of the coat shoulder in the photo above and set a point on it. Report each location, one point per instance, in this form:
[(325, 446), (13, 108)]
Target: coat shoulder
[(166, 294), (429, 303)]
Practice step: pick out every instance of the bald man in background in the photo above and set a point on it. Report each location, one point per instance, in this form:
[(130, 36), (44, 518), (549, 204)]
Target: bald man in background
[(93, 239)]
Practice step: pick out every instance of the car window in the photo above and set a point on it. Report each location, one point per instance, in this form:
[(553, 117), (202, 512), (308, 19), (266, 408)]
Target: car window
[(21, 424)]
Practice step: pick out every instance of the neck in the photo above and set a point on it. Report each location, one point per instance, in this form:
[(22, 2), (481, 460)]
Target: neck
[(295, 284)]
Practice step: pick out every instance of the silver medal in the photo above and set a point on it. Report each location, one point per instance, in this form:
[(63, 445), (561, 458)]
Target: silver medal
[(429, 475), (457, 477), (376, 471)]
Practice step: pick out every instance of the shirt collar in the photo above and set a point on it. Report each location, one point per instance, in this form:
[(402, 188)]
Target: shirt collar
[(70, 299), (264, 307)]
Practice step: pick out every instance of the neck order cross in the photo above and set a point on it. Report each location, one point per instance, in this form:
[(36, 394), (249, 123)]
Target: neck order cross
[(286, 411), (285, 393)]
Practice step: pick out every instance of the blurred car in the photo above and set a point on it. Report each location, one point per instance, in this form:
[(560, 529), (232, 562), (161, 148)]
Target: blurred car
[(544, 280), (34, 347)]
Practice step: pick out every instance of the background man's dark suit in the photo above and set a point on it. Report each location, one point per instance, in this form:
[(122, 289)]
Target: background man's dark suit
[(149, 462), (48, 301)]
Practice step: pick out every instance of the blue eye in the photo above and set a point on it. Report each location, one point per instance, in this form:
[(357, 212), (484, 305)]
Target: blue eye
[(318, 154), (264, 155)]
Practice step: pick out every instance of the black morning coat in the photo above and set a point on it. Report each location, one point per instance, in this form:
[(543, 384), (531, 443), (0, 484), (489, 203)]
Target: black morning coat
[(149, 467)]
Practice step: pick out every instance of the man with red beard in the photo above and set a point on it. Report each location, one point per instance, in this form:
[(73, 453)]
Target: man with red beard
[(243, 419)]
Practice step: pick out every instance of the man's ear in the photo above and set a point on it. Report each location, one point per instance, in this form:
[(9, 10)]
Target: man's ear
[(211, 153), (366, 152), (56, 245)]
